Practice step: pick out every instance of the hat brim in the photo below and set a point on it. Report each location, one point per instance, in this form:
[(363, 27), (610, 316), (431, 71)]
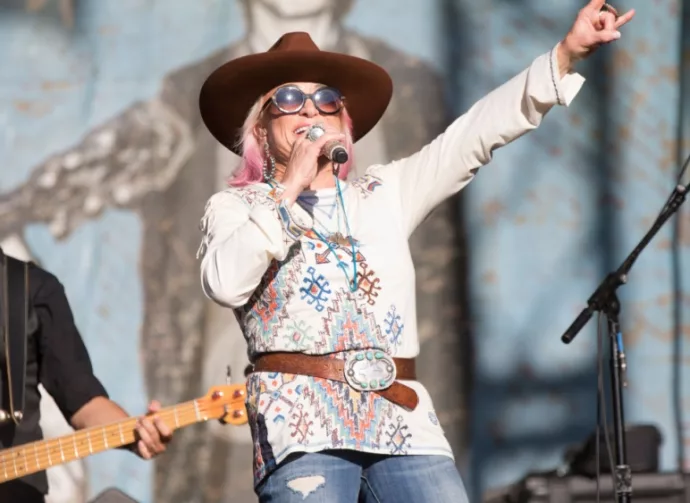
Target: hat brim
[(230, 91)]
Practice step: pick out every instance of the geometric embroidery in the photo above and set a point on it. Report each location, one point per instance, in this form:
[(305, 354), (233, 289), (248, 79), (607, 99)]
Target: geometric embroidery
[(393, 327), (339, 243), (252, 197), (349, 417), (368, 284), (265, 312), (366, 184), (398, 438), (316, 290), (298, 336), (289, 413), (348, 326), (281, 399), (301, 426)]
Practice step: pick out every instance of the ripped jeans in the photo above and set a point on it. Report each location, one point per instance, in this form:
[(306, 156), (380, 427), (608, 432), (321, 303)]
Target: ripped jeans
[(355, 477)]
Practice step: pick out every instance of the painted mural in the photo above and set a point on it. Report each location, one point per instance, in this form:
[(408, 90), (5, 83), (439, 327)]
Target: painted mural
[(105, 168)]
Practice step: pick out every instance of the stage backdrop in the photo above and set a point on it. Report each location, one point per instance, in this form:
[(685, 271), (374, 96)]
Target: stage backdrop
[(105, 170)]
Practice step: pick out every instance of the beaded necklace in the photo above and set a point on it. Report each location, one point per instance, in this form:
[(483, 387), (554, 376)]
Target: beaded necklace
[(353, 282)]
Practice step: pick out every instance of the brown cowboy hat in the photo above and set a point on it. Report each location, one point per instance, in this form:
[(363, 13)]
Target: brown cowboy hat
[(231, 90)]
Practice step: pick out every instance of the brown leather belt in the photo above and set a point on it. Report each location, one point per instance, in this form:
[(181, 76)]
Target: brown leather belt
[(334, 370)]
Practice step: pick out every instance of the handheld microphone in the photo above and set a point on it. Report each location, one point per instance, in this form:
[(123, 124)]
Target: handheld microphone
[(334, 150)]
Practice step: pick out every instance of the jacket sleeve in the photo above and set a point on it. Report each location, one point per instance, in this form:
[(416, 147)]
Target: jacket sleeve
[(241, 240), (448, 163)]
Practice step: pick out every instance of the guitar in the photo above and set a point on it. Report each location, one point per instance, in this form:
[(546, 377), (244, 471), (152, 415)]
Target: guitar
[(225, 403)]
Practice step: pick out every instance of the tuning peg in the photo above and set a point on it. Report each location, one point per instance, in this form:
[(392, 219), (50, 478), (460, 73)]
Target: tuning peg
[(235, 417), (224, 417)]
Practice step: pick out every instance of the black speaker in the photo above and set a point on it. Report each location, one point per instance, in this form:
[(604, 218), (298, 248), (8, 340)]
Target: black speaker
[(643, 452), (552, 488), (113, 495)]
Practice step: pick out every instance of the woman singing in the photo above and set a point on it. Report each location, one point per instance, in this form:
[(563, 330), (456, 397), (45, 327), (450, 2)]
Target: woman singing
[(318, 270)]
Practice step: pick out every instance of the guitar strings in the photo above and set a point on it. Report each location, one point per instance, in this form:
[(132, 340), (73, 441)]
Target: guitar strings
[(18, 461)]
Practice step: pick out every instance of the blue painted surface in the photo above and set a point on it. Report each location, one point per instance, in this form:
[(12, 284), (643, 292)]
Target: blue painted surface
[(547, 219), (98, 269), (554, 213)]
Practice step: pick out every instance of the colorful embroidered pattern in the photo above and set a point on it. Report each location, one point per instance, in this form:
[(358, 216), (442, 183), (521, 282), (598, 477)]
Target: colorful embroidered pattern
[(398, 437), (316, 290), (253, 196), (338, 242), (394, 327), (292, 229), (348, 326), (298, 335), (368, 284), (278, 402), (301, 425), (367, 184), (350, 418), (275, 193), (287, 412), (328, 414), (265, 312)]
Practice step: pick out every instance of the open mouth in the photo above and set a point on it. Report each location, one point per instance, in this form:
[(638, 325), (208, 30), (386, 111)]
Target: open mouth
[(301, 129)]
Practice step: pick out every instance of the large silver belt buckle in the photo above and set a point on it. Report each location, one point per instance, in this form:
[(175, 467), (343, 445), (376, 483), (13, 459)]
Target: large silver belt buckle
[(369, 370)]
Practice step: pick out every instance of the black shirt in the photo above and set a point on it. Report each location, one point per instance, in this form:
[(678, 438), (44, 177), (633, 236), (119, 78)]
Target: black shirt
[(64, 365), (56, 358)]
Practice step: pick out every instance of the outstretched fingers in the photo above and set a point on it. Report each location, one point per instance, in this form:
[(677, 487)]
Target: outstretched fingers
[(625, 18)]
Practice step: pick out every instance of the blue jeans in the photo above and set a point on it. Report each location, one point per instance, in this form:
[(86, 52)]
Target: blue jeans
[(354, 477)]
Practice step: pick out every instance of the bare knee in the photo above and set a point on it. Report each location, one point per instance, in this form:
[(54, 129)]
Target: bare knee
[(304, 486)]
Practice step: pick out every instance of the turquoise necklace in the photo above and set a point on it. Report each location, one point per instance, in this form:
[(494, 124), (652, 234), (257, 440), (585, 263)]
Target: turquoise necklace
[(352, 283)]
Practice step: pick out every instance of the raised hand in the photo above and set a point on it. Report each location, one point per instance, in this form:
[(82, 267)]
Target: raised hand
[(596, 24)]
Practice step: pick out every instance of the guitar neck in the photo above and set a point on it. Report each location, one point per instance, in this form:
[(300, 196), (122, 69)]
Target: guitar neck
[(38, 456)]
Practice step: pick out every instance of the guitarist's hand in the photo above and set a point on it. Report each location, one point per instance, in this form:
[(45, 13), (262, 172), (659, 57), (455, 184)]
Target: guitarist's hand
[(153, 434)]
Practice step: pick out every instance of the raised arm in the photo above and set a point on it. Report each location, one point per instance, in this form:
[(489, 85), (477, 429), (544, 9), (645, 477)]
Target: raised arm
[(447, 164), (241, 239)]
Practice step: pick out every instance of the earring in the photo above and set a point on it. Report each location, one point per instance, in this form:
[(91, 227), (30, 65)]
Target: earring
[(269, 173)]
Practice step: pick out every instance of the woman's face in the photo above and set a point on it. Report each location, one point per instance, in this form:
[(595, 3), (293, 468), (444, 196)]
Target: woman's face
[(284, 129)]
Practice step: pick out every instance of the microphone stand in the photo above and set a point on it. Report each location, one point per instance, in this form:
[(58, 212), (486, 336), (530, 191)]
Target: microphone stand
[(605, 300)]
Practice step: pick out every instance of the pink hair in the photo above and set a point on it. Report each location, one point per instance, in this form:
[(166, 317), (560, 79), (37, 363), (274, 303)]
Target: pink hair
[(251, 167)]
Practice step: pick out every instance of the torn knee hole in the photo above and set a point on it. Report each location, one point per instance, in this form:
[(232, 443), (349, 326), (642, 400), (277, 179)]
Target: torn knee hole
[(306, 485)]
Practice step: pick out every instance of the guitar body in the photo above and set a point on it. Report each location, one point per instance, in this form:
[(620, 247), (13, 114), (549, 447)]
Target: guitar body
[(225, 403)]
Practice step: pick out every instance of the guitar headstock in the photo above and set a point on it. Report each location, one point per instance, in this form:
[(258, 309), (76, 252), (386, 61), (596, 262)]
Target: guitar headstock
[(225, 403)]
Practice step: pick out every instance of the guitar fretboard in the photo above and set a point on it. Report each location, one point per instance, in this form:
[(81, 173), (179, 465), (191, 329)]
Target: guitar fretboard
[(37, 456)]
